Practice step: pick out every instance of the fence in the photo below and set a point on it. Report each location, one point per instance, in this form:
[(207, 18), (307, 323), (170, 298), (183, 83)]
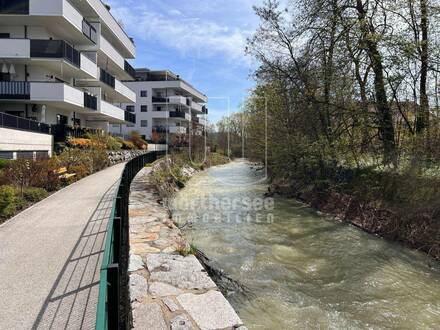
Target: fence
[(113, 285), (14, 122)]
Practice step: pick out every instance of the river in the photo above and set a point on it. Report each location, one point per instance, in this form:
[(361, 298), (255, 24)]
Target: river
[(305, 271)]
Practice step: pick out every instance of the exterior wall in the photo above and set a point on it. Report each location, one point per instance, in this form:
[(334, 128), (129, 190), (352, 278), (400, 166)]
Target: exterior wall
[(16, 140)]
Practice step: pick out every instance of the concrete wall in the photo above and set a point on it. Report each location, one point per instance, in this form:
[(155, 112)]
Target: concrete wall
[(15, 140)]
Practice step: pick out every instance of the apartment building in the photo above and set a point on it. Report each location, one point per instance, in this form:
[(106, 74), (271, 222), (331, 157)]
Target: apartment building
[(166, 107), (62, 65)]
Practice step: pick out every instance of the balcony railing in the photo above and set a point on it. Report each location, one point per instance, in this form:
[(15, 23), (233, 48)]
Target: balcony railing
[(205, 110), (177, 114), (14, 7), (107, 78), (55, 49), (14, 122), (89, 31), (129, 69), (15, 90), (63, 132), (130, 117), (157, 99), (90, 101)]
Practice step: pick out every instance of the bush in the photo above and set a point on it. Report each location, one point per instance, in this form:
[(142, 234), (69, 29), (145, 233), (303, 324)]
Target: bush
[(113, 143), (8, 201), (34, 195), (3, 163), (80, 143), (140, 143)]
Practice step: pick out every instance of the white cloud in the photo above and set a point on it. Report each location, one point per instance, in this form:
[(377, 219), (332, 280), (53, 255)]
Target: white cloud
[(197, 37)]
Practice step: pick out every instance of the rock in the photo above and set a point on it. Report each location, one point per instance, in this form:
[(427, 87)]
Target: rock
[(143, 248), (242, 328), (148, 316), (210, 310), (182, 272), (138, 287), (172, 306), (135, 263), (181, 322), (159, 289)]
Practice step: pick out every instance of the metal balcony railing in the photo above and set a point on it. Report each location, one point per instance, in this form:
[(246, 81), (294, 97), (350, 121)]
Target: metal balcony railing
[(14, 7), (130, 117), (55, 49), (177, 114), (14, 122), (107, 78), (129, 69), (89, 31), (157, 99), (205, 109), (90, 101), (15, 90)]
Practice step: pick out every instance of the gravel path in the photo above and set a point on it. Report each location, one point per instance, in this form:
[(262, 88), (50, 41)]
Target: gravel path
[(50, 256)]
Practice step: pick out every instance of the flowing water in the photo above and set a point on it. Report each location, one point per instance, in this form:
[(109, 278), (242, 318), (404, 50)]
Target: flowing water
[(305, 271)]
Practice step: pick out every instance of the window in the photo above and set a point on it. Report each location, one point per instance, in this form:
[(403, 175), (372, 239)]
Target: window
[(5, 35), (144, 108), (143, 93), (144, 123), (159, 109), (130, 108)]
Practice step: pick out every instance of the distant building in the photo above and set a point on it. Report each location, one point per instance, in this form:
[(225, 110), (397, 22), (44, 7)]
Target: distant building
[(166, 107)]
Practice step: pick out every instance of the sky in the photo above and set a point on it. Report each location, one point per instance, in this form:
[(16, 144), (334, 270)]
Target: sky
[(201, 40)]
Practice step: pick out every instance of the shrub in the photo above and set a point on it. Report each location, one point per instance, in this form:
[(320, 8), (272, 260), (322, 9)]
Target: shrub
[(21, 172), (3, 163), (8, 201), (137, 140), (79, 143), (113, 143), (81, 171), (34, 195), (128, 145)]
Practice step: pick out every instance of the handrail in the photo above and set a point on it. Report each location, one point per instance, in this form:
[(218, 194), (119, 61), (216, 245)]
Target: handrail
[(113, 283), (24, 124)]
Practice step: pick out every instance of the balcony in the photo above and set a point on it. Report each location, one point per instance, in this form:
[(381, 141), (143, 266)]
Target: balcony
[(114, 63), (130, 117), (177, 130), (107, 78), (89, 31), (116, 115), (60, 17), (205, 110), (174, 99), (23, 124), (129, 69), (90, 101), (178, 114), (55, 49), (15, 90), (196, 107)]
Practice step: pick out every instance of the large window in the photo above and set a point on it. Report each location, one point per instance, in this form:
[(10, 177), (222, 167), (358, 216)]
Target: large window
[(130, 108), (144, 108)]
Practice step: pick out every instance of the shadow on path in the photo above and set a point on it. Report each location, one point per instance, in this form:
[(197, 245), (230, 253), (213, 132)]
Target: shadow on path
[(72, 301)]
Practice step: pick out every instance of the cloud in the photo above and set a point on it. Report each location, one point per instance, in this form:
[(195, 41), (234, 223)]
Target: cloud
[(191, 36)]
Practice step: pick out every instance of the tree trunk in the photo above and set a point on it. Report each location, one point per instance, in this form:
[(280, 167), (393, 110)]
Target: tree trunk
[(384, 115), (422, 122)]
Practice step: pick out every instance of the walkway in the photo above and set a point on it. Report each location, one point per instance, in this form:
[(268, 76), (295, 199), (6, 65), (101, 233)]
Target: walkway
[(50, 256)]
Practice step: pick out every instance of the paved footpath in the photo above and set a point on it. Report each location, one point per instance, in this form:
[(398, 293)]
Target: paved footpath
[(50, 257)]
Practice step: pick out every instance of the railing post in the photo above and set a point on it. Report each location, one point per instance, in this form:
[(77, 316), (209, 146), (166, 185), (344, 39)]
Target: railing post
[(113, 290)]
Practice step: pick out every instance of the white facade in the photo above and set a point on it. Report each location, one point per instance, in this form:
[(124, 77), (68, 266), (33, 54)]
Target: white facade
[(62, 63), (165, 105)]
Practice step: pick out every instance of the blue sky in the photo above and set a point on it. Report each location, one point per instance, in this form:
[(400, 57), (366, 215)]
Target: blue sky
[(202, 40)]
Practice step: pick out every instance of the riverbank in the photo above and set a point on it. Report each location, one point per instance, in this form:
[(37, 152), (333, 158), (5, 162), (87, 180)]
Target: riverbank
[(411, 217), (169, 288)]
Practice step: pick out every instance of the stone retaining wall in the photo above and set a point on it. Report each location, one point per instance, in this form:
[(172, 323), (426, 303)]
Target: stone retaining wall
[(120, 156), (168, 290)]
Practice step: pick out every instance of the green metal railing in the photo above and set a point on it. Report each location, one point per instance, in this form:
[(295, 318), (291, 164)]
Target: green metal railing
[(113, 301)]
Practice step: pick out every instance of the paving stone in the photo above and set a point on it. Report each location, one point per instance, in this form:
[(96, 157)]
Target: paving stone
[(143, 248), (159, 289), (209, 310), (181, 322), (148, 316), (135, 263), (182, 272), (138, 287), (172, 306)]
